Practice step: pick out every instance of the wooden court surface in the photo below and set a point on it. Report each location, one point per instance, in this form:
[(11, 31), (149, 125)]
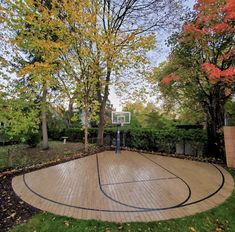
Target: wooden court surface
[(127, 187)]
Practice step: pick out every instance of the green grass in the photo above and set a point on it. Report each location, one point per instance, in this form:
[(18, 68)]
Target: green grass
[(5, 155), (21, 155), (221, 218)]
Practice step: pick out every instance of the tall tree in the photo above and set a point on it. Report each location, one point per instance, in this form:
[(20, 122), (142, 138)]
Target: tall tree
[(78, 77), (203, 59), (108, 36), (39, 37), (126, 25)]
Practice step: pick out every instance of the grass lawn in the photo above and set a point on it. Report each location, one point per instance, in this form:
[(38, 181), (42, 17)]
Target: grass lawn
[(21, 155), (221, 218)]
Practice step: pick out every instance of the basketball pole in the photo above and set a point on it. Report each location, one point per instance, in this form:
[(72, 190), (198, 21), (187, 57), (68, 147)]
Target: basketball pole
[(118, 143)]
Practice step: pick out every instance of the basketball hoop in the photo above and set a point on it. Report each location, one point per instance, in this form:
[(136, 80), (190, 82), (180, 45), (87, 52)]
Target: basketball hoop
[(119, 119)]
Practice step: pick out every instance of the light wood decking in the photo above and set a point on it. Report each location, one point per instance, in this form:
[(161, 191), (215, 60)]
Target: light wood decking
[(126, 187)]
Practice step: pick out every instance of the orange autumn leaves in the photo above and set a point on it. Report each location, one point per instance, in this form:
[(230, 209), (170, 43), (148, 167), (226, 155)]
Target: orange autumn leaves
[(214, 74), (214, 17), (210, 33), (229, 8), (209, 9), (195, 31), (169, 78)]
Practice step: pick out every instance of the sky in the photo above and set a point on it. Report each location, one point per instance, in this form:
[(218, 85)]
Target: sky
[(161, 49)]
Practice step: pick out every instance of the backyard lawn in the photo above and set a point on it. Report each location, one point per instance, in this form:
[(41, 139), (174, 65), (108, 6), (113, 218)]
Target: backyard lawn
[(21, 155), (67, 68)]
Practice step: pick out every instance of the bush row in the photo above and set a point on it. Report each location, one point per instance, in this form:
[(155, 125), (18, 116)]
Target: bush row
[(146, 139)]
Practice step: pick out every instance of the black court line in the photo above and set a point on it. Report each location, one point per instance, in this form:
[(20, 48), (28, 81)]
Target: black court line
[(212, 194), (75, 206), (68, 205), (136, 181), (204, 198), (144, 208), (124, 211)]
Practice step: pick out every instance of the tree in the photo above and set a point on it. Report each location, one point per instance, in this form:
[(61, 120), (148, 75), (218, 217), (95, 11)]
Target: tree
[(179, 96), (203, 62), (127, 26), (18, 115), (40, 38), (108, 113), (78, 77), (99, 38), (136, 109), (148, 116)]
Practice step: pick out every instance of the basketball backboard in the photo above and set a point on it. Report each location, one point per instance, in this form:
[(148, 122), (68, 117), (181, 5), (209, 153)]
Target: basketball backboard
[(121, 118)]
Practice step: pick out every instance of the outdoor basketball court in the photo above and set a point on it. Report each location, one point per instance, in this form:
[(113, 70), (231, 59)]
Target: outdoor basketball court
[(130, 186)]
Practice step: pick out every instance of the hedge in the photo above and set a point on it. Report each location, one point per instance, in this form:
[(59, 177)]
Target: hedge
[(145, 139)]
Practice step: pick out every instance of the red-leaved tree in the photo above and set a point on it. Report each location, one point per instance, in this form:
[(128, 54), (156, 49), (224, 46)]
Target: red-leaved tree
[(207, 44)]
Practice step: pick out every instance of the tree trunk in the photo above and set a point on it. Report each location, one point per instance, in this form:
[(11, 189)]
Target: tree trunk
[(69, 114), (215, 123), (100, 136), (86, 144), (103, 97), (103, 101), (45, 145)]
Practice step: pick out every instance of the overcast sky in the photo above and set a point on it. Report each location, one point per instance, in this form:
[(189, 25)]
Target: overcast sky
[(157, 56)]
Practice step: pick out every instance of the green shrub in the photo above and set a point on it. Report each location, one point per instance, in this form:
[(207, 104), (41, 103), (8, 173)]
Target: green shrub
[(74, 134), (156, 140), (4, 137), (56, 133), (33, 139), (145, 139)]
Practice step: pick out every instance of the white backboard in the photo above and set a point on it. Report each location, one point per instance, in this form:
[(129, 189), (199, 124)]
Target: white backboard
[(121, 118)]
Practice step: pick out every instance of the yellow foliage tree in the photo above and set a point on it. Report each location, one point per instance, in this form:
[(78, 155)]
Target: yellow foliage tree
[(90, 41), (36, 31)]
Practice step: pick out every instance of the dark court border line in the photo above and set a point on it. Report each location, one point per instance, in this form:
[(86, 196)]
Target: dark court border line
[(136, 209), (204, 198), (137, 181), (144, 208), (74, 206), (123, 211)]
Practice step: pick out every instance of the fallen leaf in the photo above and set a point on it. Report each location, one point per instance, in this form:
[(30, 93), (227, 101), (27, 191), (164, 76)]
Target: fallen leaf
[(218, 229), (66, 223), (12, 215), (192, 229)]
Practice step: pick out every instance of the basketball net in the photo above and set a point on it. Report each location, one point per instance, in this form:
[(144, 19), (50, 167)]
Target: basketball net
[(121, 121)]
